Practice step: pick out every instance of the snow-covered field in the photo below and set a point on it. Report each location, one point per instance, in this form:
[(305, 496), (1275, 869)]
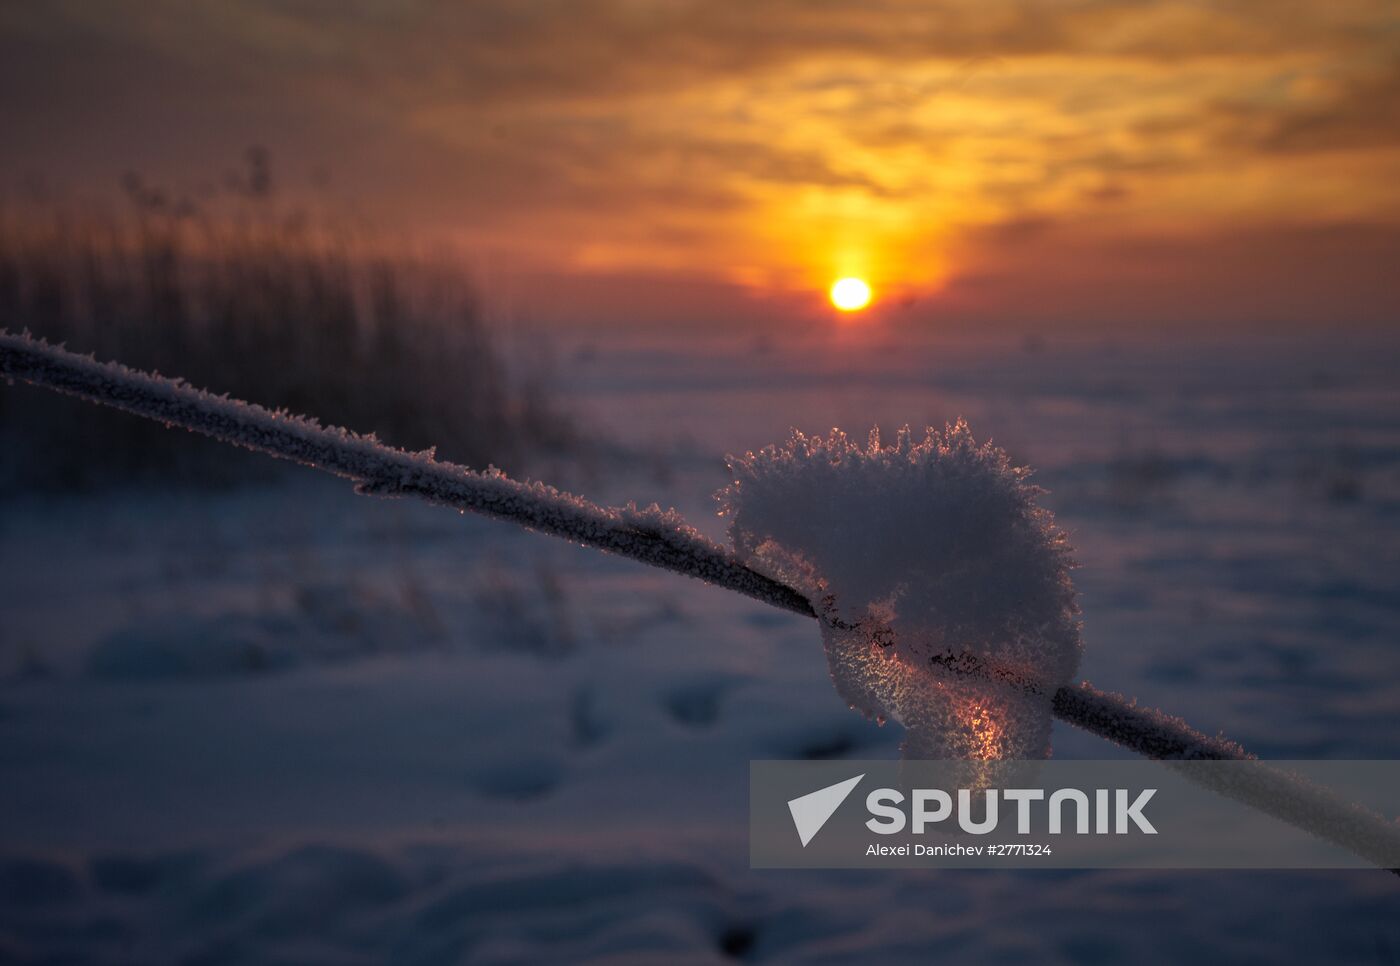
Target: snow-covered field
[(290, 724)]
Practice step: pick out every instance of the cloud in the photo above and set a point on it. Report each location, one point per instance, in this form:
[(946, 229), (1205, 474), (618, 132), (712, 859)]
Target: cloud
[(1359, 111), (770, 143)]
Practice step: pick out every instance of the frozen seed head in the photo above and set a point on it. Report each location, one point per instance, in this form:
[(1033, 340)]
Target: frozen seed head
[(943, 589)]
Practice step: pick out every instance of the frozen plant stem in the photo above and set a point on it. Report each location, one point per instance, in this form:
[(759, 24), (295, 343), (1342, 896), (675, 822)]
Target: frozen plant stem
[(651, 536)]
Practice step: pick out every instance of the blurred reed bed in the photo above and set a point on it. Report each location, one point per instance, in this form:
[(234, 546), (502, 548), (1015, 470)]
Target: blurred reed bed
[(267, 306)]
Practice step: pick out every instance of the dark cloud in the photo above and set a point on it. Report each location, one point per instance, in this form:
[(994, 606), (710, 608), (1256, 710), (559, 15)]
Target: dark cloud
[(512, 50), (1364, 113)]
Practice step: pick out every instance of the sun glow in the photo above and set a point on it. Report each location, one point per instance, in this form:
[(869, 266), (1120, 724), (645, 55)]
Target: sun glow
[(850, 294)]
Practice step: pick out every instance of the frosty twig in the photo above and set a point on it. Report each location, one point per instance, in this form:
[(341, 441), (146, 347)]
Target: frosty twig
[(651, 536)]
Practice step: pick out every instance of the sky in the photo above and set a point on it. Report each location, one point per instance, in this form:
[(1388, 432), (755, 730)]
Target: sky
[(1077, 165)]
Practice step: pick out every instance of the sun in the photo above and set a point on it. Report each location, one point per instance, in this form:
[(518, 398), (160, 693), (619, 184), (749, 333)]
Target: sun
[(850, 294)]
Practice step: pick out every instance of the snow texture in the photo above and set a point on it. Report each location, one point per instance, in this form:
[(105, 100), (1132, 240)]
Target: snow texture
[(943, 589)]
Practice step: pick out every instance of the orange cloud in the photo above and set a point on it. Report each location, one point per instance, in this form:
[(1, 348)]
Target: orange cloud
[(767, 148)]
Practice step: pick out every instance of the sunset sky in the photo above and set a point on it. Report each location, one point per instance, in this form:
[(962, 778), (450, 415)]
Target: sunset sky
[(1057, 165)]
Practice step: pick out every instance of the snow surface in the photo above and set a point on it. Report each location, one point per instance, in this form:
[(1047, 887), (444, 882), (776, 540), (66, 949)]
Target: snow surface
[(943, 589), (398, 733)]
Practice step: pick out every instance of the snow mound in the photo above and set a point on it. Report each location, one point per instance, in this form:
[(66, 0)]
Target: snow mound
[(943, 589)]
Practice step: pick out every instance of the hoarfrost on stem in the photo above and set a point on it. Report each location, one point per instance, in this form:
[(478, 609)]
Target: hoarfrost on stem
[(943, 590), (654, 537)]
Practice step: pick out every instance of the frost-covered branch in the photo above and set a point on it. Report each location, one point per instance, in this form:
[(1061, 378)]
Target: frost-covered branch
[(651, 535), (1147, 731)]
